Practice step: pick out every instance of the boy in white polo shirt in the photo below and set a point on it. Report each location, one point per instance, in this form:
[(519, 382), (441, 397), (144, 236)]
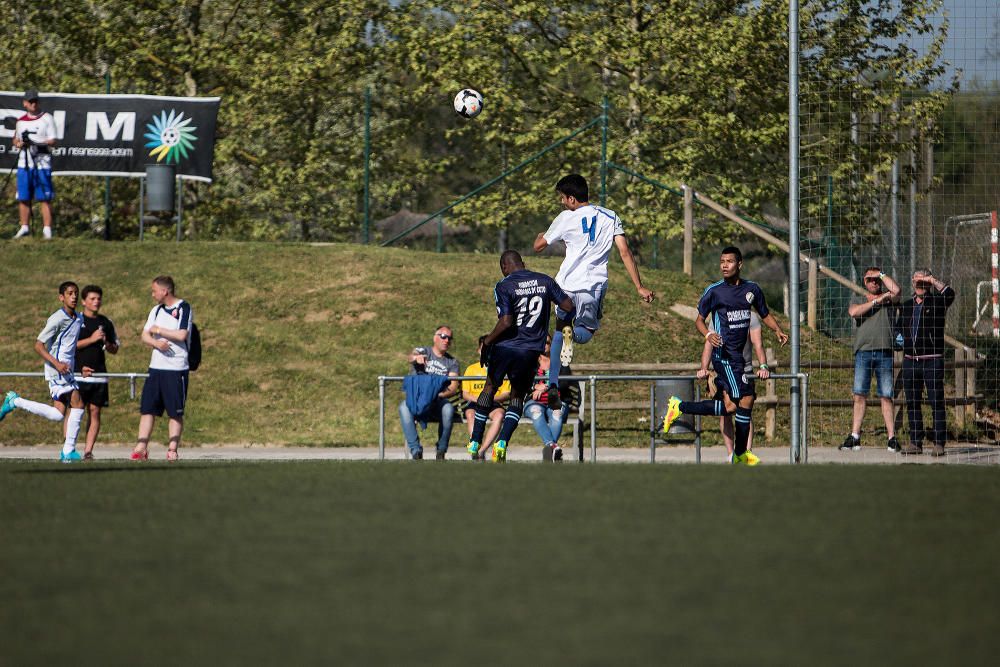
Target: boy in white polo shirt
[(166, 331)]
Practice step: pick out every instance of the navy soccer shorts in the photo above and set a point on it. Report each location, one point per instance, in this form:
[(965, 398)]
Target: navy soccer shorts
[(517, 365)]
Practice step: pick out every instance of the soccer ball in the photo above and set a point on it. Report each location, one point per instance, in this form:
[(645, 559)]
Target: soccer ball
[(468, 103)]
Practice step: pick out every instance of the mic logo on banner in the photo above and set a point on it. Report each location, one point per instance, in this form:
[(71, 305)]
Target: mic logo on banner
[(170, 136)]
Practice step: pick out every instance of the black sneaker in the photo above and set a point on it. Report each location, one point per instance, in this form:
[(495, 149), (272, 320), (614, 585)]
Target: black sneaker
[(556, 453), (850, 444), (417, 456), (893, 444), (554, 402), (439, 456)]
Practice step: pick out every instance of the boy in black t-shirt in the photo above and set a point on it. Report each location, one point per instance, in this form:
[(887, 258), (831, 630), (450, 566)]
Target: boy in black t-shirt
[(97, 336)]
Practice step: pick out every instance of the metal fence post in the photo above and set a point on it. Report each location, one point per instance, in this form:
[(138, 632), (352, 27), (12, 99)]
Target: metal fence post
[(593, 419), (381, 417)]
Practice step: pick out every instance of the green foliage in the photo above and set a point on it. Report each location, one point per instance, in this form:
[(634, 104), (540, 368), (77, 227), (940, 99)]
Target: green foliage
[(693, 91)]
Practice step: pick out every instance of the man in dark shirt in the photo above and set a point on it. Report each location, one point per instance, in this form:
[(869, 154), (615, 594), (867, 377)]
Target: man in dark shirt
[(524, 300), (97, 336), (921, 326), (727, 304)]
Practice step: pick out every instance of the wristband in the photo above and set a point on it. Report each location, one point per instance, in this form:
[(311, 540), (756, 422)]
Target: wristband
[(709, 333), (765, 367)]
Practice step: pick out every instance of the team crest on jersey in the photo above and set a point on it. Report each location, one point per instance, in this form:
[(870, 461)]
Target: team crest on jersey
[(749, 297)]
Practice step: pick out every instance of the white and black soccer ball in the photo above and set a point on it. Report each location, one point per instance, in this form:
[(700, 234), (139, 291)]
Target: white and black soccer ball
[(468, 103)]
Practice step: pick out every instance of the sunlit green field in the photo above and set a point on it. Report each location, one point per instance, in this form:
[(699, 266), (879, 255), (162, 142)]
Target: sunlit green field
[(403, 563)]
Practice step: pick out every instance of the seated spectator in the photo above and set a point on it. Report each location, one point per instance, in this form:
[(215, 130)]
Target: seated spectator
[(470, 393), (548, 423), (427, 392)]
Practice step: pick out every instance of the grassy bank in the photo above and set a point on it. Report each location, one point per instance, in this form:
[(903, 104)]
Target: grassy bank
[(295, 335)]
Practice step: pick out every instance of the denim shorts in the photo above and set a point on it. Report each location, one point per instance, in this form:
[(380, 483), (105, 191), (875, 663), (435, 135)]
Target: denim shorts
[(867, 362)]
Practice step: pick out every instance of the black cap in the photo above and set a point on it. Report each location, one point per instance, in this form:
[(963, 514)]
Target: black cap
[(31, 94)]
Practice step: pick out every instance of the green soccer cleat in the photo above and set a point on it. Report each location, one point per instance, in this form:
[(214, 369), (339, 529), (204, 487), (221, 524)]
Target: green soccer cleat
[(8, 404), (500, 451), (473, 449), (673, 412)]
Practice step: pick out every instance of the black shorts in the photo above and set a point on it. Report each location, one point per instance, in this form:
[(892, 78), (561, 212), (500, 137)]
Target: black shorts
[(519, 366), (469, 405), (164, 390), (733, 380), (94, 393)]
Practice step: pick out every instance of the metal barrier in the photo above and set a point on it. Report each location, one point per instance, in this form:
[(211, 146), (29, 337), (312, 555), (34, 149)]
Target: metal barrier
[(130, 376), (798, 452)]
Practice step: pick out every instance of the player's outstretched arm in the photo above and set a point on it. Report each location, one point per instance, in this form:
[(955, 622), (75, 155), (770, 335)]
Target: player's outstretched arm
[(633, 270), (773, 325), (540, 242)]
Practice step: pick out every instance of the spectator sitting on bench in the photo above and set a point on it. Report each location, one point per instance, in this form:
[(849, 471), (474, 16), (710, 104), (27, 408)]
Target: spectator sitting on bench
[(430, 361), (548, 423), (470, 392)]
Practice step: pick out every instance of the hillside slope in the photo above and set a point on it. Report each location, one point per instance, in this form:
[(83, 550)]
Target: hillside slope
[(295, 335)]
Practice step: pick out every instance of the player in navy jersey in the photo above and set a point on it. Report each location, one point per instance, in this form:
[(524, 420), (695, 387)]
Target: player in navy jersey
[(726, 304), (524, 300)]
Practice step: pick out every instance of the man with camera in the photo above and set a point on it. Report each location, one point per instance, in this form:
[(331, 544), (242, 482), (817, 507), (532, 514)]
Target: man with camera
[(34, 136), (921, 326)]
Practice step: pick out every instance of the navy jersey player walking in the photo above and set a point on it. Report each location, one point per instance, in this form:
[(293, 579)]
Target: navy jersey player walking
[(726, 304), (524, 300)]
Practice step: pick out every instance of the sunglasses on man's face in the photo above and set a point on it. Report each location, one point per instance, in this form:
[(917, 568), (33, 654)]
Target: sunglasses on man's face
[(871, 279), (444, 336)]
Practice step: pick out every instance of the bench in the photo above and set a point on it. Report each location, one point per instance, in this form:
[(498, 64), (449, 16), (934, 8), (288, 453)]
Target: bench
[(574, 401)]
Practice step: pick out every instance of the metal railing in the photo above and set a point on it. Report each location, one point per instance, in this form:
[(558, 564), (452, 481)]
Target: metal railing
[(798, 452), (131, 377)]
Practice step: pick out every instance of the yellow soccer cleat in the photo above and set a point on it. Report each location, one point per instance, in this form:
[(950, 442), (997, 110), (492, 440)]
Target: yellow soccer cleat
[(673, 412), (746, 459), (473, 449), (500, 452)]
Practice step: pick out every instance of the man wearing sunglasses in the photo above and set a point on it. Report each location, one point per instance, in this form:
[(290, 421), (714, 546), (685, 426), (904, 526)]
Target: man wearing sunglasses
[(874, 313), (418, 406)]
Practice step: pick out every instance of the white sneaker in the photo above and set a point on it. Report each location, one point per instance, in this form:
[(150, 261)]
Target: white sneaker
[(23, 231), (46, 232), (566, 354)]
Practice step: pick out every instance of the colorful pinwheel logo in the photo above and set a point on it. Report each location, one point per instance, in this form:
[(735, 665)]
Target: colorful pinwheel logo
[(170, 137)]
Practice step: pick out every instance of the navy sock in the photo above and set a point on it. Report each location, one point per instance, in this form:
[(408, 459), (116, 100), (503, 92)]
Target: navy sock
[(741, 422), (707, 407), (510, 420)]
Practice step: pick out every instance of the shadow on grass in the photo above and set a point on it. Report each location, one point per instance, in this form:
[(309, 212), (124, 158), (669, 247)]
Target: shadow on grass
[(130, 468)]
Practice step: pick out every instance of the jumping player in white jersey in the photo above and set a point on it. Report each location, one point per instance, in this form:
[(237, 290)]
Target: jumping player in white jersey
[(56, 344), (589, 233)]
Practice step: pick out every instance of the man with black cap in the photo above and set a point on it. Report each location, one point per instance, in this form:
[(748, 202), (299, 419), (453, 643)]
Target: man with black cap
[(34, 135)]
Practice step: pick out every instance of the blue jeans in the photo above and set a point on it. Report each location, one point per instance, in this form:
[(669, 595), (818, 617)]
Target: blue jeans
[(443, 412), (867, 362), (544, 420)]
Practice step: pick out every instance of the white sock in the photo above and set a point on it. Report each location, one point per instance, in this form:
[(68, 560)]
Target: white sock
[(40, 409), (72, 429), (25, 228), (47, 232), (856, 436)]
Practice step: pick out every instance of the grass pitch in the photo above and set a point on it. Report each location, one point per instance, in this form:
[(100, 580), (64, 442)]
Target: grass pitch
[(404, 563)]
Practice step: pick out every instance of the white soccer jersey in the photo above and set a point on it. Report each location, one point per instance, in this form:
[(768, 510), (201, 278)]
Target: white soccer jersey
[(42, 129), (589, 232), (59, 337), (177, 316)]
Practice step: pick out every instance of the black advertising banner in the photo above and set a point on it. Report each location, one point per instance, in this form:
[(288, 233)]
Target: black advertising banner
[(118, 135)]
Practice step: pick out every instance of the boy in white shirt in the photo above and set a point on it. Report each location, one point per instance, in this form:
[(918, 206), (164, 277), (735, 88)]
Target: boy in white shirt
[(34, 136)]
